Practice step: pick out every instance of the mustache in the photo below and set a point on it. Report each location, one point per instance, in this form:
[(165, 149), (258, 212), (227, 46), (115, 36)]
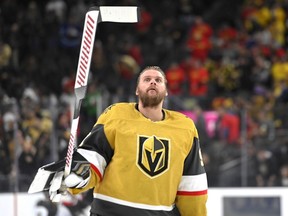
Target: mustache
[(152, 88)]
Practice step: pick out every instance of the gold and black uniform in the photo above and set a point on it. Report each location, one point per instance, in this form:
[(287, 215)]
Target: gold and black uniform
[(144, 168)]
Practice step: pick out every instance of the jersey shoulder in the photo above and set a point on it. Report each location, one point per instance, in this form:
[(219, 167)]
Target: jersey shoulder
[(180, 119), (119, 107), (178, 116), (117, 111)]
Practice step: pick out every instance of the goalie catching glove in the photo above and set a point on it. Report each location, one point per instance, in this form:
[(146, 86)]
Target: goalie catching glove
[(51, 177)]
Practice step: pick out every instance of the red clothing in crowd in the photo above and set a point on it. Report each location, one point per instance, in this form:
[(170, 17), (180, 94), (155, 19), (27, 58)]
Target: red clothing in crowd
[(229, 128), (145, 21), (199, 39), (227, 34), (175, 76), (198, 81)]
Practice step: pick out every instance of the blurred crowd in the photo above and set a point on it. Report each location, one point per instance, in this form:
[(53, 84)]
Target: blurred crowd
[(228, 57)]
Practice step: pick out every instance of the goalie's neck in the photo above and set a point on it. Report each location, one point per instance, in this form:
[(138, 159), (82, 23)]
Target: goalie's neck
[(152, 113)]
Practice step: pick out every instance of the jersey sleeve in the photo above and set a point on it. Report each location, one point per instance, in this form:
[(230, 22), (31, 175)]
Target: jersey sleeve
[(192, 191), (96, 149)]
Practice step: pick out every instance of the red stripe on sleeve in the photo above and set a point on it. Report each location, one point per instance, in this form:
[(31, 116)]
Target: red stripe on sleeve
[(192, 193), (96, 171)]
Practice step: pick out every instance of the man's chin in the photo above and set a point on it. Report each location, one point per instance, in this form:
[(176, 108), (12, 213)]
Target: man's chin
[(152, 91)]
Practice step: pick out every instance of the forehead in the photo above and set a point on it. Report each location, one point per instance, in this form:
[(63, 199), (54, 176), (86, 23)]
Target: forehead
[(151, 73)]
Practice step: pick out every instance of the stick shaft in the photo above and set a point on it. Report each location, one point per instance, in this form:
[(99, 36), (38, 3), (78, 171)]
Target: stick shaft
[(84, 61)]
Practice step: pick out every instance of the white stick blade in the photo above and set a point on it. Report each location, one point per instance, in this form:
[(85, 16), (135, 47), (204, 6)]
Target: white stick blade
[(123, 14)]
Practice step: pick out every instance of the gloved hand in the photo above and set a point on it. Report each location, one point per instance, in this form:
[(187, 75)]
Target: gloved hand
[(80, 172), (51, 177)]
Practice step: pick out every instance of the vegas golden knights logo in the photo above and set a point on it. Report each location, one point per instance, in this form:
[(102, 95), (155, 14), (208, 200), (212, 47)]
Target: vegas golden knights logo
[(153, 155)]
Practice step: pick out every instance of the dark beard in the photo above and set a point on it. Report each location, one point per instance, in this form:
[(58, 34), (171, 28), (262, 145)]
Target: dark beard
[(151, 101)]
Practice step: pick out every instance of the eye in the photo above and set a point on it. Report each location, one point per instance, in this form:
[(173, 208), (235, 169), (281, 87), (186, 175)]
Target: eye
[(147, 79), (158, 80)]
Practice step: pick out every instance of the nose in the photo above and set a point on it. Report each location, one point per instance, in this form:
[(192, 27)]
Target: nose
[(153, 82)]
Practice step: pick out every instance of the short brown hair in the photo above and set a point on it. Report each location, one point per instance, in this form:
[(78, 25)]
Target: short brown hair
[(157, 68)]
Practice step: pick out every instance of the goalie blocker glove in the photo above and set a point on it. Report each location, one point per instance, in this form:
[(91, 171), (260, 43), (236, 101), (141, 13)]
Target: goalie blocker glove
[(80, 172), (51, 177)]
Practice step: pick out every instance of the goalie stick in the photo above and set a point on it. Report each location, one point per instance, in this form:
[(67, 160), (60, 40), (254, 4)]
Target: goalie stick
[(123, 14), (93, 17)]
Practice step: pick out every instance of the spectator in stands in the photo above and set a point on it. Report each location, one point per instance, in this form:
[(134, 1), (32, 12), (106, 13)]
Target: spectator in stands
[(5, 167), (127, 68), (261, 76), (255, 15), (5, 54), (43, 143), (283, 179), (101, 70), (279, 72), (199, 39), (28, 163), (144, 25), (62, 128), (198, 77), (176, 78), (266, 168), (283, 95), (57, 8), (70, 35), (265, 129), (31, 123), (277, 24), (90, 109), (9, 121), (252, 165), (227, 126)]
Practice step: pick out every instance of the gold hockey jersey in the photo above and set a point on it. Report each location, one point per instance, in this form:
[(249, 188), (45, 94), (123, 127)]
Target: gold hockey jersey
[(140, 167)]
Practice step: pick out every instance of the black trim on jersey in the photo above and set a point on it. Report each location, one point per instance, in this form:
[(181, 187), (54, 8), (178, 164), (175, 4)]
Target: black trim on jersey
[(102, 207), (192, 164), (98, 142)]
